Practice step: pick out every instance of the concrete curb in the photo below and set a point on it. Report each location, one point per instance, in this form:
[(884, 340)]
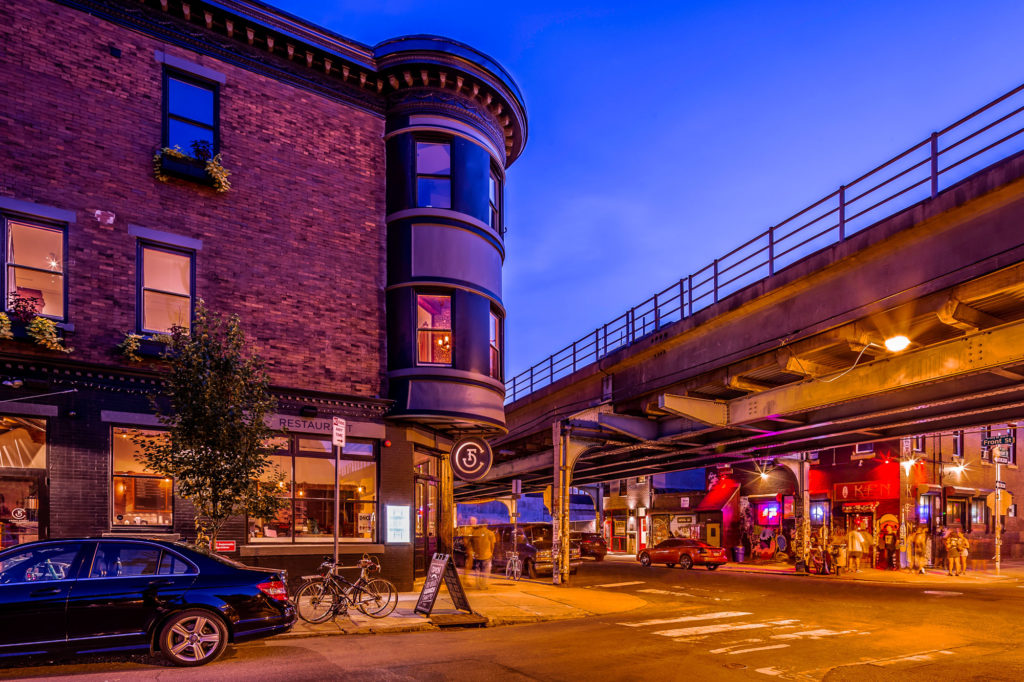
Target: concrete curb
[(904, 578)]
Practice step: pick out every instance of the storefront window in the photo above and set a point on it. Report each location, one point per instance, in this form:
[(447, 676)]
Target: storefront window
[(956, 513), (22, 479), (308, 491), (141, 497), (769, 514), (924, 509), (819, 513), (978, 513)]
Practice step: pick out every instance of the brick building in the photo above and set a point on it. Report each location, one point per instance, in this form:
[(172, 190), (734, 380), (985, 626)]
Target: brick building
[(360, 243)]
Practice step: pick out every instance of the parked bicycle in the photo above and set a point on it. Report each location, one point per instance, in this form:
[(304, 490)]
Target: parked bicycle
[(328, 594)]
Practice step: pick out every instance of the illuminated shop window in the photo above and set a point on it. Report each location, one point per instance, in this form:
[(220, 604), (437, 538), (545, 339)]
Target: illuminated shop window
[(35, 267), (924, 509), (434, 338), (141, 497), (433, 174), (495, 341), (307, 491), (769, 514), (190, 113), (165, 285), (819, 513)]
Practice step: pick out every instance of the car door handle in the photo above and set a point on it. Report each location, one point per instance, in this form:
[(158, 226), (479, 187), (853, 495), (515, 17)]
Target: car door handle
[(45, 592), (161, 582)]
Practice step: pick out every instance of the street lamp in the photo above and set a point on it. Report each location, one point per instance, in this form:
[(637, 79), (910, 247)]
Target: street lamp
[(897, 343)]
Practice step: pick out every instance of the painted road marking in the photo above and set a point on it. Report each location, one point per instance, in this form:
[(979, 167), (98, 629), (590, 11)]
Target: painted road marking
[(814, 634), (687, 619), (773, 671), (650, 590), (635, 582), (759, 648), (735, 643), (913, 658), (683, 633), (943, 593)]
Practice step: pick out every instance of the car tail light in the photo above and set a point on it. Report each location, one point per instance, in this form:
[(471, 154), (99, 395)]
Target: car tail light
[(275, 589)]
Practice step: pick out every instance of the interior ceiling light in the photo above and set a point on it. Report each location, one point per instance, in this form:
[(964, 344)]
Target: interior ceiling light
[(897, 343)]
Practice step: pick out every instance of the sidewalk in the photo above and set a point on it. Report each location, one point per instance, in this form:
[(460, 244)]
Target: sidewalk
[(1011, 570), (504, 603)]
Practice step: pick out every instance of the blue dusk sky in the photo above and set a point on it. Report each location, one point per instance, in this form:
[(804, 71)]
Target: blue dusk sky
[(663, 135)]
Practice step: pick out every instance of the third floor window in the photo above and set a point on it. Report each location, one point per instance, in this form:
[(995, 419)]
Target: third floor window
[(494, 201), (433, 174), (190, 114)]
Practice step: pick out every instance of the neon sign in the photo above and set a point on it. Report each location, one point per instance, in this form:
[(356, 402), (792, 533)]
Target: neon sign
[(768, 514)]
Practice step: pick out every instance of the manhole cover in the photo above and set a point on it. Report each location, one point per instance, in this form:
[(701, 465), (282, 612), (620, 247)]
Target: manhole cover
[(734, 666)]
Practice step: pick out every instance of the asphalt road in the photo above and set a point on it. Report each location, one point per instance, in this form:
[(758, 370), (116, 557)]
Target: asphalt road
[(698, 625)]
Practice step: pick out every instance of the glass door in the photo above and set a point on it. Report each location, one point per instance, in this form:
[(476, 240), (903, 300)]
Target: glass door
[(22, 508), (425, 541)]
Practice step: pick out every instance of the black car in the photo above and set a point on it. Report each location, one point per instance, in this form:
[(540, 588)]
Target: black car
[(591, 544), (105, 595)]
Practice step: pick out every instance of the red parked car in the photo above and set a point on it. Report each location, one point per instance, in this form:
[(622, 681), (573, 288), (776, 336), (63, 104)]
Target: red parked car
[(684, 552)]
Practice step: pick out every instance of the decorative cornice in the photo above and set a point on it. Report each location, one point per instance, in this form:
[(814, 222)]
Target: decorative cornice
[(260, 38)]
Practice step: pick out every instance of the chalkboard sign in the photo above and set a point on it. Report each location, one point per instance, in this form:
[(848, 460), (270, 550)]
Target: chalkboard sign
[(442, 568)]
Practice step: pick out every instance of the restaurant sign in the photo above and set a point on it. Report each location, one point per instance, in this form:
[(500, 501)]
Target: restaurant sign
[(866, 490), (296, 424)]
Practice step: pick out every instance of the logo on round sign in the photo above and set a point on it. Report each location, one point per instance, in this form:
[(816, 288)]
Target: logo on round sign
[(18, 514), (471, 458)]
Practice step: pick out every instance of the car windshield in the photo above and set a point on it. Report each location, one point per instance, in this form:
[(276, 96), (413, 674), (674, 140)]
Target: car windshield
[(540, 534)]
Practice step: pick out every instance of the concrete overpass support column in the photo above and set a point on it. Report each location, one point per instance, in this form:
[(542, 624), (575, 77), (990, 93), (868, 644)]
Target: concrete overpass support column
[(566, 451)]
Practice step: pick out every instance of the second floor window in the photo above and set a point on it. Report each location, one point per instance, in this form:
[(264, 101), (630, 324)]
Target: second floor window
[(35, 267), (495, 339), (433, 329), (433, 174), (494, 201), (190, 114), (958, 444), (165, 289)]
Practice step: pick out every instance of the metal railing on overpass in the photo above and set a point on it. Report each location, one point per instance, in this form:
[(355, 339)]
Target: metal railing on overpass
[(939, 161)]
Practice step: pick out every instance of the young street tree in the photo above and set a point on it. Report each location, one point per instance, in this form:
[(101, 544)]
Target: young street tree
[(215, 447)]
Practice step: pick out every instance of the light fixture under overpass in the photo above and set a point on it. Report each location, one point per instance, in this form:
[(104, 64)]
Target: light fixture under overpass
[(897, 343)]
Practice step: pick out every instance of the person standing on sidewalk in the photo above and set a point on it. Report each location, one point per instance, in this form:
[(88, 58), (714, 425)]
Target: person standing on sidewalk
[(952, 553), (483, 549), (919, 548), (857, 543), (963, 549)]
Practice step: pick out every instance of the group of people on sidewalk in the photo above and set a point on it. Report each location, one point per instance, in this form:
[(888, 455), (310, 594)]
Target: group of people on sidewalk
[(857, 544)]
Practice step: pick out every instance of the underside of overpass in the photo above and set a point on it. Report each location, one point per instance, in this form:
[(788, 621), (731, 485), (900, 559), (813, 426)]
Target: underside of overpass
[(797, 362)]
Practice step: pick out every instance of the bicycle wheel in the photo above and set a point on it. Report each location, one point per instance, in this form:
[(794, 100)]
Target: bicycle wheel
[(315, 601), (377, 598), (514, 569)]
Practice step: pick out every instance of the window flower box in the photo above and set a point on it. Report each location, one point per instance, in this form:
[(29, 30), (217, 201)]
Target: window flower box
[(199, 167)]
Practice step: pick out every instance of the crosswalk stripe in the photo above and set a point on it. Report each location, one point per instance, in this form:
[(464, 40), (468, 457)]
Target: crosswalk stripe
[(758, 648), (721, 627), (635, 582), (651, 590), (813, 634), (687, 619)]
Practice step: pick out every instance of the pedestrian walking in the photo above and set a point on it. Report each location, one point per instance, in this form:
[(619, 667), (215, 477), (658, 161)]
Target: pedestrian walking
[(857, 543), (483, 550), (889, 540)]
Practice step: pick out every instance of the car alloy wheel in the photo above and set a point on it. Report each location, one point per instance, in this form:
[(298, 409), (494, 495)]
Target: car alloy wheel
[(685, 562), (645, 560), (193, 637)]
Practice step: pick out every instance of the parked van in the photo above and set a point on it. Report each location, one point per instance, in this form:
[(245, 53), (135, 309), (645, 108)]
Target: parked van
[(534, 546)]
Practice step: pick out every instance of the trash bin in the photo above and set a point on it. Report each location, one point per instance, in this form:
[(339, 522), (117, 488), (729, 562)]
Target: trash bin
[(738, 554)]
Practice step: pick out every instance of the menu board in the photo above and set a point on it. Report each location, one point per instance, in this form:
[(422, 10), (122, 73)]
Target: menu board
[(442, 568), (398, 523)]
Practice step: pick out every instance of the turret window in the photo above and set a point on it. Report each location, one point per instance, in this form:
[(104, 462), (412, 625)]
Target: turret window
[(434, 329), (495, 335), (433, 174), (494, 201)]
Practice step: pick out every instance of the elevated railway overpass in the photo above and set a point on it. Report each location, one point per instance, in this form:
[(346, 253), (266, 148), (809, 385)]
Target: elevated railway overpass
[(780, 346)]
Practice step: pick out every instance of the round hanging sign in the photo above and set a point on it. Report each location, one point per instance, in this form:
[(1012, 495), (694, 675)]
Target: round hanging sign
[(471, 458)]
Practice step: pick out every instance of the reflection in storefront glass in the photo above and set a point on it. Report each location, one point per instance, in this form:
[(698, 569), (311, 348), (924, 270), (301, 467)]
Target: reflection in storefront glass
[(22, 479)]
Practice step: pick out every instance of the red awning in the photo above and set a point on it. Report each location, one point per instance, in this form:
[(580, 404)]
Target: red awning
[(719, 496)]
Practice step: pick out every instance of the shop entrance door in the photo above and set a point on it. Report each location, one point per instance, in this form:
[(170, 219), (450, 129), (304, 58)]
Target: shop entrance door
[(715, 534), (23, 507), (425, 541)]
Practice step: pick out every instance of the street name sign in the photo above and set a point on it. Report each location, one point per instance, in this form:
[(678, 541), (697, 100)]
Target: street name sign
[(996, 440)]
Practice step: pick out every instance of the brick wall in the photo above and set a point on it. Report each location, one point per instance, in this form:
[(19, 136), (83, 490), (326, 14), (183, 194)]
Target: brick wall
[(296, 248)]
